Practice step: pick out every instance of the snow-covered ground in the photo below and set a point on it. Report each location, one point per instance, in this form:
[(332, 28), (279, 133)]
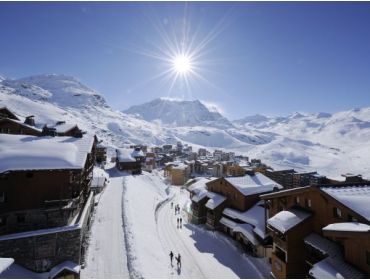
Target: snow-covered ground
[(153, 233), (106, 255)]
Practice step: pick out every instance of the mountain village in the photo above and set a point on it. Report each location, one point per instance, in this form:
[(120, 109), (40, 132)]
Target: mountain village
[(64, 192)]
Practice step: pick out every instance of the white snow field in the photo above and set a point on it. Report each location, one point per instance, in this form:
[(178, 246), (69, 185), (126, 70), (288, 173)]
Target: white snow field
[(152, 232), (106, 255), (296, 141)]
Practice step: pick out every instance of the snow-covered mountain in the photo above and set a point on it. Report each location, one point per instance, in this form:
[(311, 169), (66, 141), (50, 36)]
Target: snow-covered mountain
[(330, 143), (179, 113)]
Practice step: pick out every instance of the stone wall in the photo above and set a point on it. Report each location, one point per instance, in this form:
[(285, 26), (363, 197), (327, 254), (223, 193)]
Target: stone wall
[(40, 253)]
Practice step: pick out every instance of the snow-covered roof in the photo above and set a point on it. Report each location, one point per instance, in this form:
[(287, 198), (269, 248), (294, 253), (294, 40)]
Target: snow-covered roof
[(125, 155), (285, 220), (5, 263), (63, 127), (22, 124), (254, 216), (349, 226), (67, 265), (215, 200), (253, 184), (354, 197), (336, 268), (24, 152), (322, 244), (199, 194), (137, 153), (245, 229)]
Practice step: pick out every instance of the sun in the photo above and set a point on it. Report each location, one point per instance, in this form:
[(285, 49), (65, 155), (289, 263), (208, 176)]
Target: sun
[(182, 64)]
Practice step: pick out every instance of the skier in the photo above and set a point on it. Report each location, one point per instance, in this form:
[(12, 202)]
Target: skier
[(178, 259), (171, 256)]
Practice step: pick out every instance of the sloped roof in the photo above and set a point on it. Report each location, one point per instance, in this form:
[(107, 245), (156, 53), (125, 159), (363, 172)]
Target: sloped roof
[(5, 263), (354, 197), (253, 184), (334, 268), (285, 220), (325, 246), (254, 216), (215, 200), (125, 155), (24, 152)]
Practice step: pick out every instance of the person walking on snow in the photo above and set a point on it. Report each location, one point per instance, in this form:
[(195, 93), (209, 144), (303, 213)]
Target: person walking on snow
[(178, 259), (171, 205), (171, 256), (180, 222)]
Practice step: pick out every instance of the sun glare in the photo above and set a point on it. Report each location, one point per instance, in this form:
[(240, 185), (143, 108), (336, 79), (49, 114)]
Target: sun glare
[(182, 64)]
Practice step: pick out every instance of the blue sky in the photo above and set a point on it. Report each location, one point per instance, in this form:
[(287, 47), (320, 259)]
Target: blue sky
[(262, 57)]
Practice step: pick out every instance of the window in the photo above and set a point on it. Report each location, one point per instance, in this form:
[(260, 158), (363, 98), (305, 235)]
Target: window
[(2, 221), (307, 202), (337, 212), (2, 197), (297, 200), (21, 218)]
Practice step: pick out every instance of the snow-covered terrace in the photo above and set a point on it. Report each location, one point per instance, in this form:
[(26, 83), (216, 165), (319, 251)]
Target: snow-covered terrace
[(286, 220), (354, 197), (253, 184), (255, 216), (325, 246), (24, 152)]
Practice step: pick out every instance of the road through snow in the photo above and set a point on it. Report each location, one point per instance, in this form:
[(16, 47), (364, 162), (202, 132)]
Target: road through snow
[(106, 255), (205, 254)]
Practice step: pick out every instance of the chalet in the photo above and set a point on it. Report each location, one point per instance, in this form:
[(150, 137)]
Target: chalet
[(239, 193), (150, 162), (101, 153), (128, 160), (12, 126), (320, 231), (198, 196), (176, 173), (44, 197), (61, 128)]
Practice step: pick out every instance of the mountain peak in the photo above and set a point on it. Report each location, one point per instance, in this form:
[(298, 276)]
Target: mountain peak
[(177, 112)]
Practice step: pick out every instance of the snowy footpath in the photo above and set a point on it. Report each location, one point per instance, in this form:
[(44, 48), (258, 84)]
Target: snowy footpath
[(152, 233), (106, 255)]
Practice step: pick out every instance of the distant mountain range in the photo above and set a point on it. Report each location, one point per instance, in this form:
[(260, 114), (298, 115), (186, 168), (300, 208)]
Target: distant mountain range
[(330, 143)]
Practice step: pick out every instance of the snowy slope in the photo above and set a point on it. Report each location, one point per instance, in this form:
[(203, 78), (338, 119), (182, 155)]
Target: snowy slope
[(329, 143), (179, 113)]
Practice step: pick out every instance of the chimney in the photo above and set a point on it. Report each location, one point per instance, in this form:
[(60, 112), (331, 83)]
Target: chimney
[(30, 120)]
